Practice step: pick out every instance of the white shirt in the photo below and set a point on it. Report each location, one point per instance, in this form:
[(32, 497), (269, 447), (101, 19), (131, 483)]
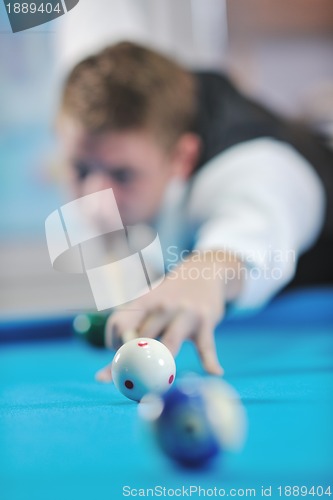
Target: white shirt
[(259, 199)]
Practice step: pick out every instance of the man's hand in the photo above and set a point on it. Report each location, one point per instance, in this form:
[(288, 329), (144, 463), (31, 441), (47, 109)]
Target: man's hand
[(187, 305)]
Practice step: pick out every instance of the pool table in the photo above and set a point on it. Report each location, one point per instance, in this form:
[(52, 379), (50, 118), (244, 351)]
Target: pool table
[(65, 436)]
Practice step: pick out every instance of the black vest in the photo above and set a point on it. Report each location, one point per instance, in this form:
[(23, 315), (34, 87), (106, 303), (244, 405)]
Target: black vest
[(226, 118)]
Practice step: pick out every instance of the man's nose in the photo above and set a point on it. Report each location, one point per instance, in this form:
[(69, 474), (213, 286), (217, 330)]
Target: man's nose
[(98, 181)]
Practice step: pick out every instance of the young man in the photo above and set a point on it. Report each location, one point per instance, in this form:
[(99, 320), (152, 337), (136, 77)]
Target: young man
[(240, 192)]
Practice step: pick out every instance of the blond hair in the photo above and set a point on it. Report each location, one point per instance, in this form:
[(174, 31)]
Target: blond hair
[(127, 86)]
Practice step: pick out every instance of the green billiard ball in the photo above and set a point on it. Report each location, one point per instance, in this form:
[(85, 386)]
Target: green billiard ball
[(91, 327)]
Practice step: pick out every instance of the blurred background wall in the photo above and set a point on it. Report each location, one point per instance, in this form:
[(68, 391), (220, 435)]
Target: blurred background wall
[(279, 51)]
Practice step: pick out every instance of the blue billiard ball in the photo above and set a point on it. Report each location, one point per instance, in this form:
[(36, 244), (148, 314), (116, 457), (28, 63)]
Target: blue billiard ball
[(196, 420), (183, 430)]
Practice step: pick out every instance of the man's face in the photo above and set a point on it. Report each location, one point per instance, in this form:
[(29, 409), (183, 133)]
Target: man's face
[(130, 162)]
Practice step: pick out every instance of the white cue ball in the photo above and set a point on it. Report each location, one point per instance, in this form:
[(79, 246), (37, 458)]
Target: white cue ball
[(143, 366)]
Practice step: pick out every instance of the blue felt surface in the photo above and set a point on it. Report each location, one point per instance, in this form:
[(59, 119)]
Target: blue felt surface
[(62, 435)]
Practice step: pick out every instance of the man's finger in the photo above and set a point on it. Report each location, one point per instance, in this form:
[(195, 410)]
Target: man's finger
[(205, 343), (104, 375), (155, 323), (179, 329), (121, 326)]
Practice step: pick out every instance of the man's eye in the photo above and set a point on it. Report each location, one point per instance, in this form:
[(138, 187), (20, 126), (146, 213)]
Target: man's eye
[(82, 170), (123, 176)]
